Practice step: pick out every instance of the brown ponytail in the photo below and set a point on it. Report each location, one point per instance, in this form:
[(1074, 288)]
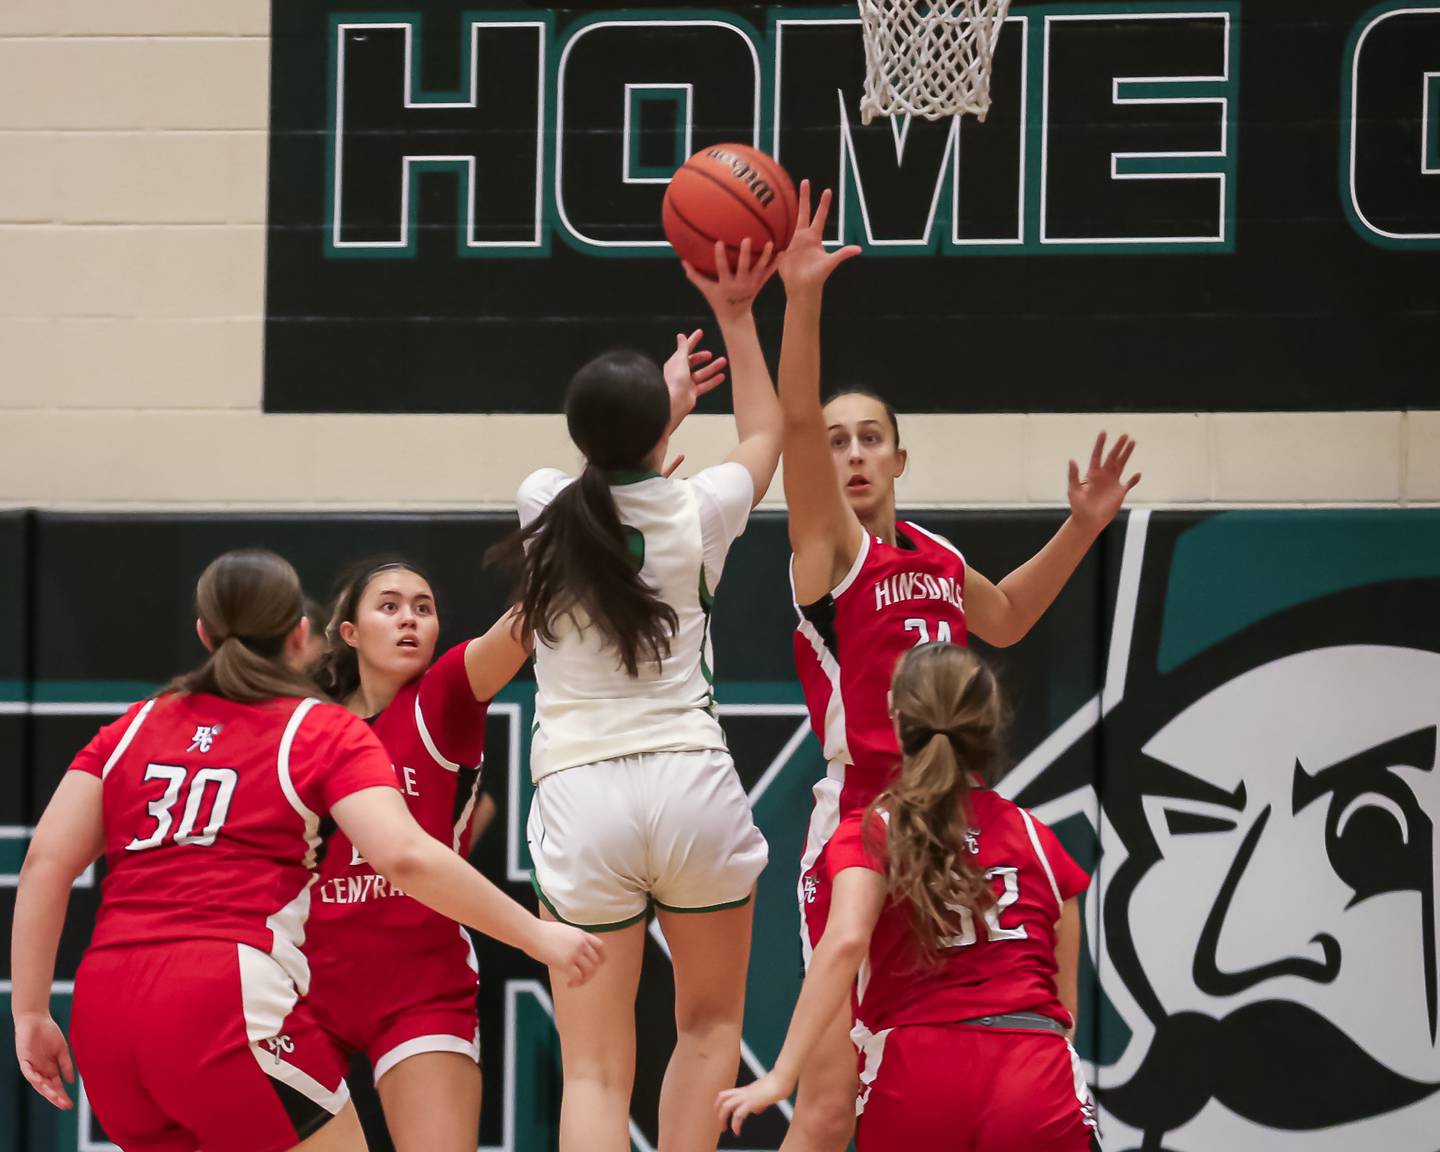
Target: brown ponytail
[(950, 715), (249, 601)]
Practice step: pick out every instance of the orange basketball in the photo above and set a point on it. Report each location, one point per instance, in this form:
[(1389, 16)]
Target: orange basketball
[(728, 192)]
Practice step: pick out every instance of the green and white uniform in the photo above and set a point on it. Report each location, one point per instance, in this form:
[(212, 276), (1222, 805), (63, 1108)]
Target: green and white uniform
[(637, 801)]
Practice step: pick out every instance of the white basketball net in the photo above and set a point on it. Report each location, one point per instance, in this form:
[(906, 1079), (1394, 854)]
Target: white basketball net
[(929, 58)]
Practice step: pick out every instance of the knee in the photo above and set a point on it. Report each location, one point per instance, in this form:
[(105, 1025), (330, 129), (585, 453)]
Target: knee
[(599, 1074), (706, 1022)]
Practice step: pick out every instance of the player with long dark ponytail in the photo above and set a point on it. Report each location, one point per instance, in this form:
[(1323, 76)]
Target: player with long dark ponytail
[(964, 906), (637, 804)]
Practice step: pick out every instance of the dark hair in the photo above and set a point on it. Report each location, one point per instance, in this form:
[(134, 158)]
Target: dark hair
[(337, 670), (318, 616), (574, 559), (950, 716), (889, 411), (249, 601)]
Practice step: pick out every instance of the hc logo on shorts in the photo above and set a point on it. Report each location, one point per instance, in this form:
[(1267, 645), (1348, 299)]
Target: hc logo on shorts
[(811, 887), (279, 1044)]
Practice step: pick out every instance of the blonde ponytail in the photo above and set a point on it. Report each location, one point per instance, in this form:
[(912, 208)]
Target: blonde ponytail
[(949, 716)]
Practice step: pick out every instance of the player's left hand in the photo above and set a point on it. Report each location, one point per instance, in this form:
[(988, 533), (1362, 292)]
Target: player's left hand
[(689, 374), (735, 1104), (44, 1058), (1095, 499)]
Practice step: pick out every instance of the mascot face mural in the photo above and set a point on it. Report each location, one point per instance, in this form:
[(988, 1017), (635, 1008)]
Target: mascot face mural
[(1278, 932)]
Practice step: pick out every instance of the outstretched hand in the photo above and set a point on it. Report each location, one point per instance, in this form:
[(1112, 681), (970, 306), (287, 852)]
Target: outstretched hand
[(1095, 499), (730, 294), (689, 374), (805, 265)]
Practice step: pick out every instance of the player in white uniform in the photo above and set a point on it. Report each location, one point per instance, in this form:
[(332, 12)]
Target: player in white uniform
[(637, 804)]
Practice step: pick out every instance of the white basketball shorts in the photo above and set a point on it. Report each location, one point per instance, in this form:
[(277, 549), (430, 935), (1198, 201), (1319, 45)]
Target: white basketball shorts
[(669, 829)]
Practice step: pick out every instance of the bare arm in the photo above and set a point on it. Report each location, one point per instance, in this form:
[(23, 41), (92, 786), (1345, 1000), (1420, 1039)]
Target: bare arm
[(731, 296), (381, 827), (858, 900), (1003, 613), (68, 839), (492, 660), (824, 533), (480, 820), (1067, 960)]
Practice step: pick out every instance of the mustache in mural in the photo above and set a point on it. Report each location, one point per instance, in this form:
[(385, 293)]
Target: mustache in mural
[(1275, 1063)]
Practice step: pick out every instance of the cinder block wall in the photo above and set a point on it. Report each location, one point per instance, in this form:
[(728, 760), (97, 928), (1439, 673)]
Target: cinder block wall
[(132, 257)]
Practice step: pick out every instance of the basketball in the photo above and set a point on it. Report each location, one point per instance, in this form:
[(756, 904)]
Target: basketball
[(728, 192)]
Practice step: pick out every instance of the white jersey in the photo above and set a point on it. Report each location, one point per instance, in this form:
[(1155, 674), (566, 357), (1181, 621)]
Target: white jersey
[(587, 708)]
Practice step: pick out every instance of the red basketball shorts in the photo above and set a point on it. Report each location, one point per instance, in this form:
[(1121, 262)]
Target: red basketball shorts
[(197, 1045), (392, 999), (977, 1089)]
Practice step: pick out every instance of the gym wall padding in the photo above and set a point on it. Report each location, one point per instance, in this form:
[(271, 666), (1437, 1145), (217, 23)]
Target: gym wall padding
[(1264, 876)]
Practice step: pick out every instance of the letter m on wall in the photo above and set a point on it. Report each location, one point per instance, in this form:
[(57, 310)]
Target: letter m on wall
[(468, 133)]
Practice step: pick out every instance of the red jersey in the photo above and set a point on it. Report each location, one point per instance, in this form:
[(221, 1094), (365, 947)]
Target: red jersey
[(212, 814), (434, 733), (1003, 961), (848, 643)]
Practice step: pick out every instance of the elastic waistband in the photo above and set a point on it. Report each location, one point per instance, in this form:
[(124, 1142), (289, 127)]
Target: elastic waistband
[(1024, 1021)]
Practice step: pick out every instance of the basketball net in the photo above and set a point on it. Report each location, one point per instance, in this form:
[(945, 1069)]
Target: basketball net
[(929, 58)]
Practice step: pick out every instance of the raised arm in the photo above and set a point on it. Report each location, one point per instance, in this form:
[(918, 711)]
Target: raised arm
[(825, 534), (1002, 613), (68, 839), (492, 660), (858, 900), (731, 296)]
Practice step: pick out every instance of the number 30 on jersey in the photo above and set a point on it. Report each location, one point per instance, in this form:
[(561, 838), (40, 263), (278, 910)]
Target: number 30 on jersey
[(220, 781)]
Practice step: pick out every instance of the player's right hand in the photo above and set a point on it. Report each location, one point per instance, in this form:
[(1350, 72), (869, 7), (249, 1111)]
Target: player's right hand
[(570, 953), (44, 1058), (730, 292), (805, 265)]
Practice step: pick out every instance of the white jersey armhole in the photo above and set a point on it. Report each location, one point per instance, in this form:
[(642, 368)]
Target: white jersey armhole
[(425, 738), (845, 582), (1040, 854), (944, 543), (723, 497), (125, 739), (282, 766)]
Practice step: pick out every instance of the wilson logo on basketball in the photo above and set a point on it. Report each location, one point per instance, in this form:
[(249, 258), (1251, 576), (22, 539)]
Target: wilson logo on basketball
[(759, 187), (728, 193)]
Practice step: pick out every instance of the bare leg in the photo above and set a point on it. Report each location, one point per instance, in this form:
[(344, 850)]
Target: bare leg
[(432, 1103), (711, 952), (597, 1046), (825, 1104), (342, 1133)]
